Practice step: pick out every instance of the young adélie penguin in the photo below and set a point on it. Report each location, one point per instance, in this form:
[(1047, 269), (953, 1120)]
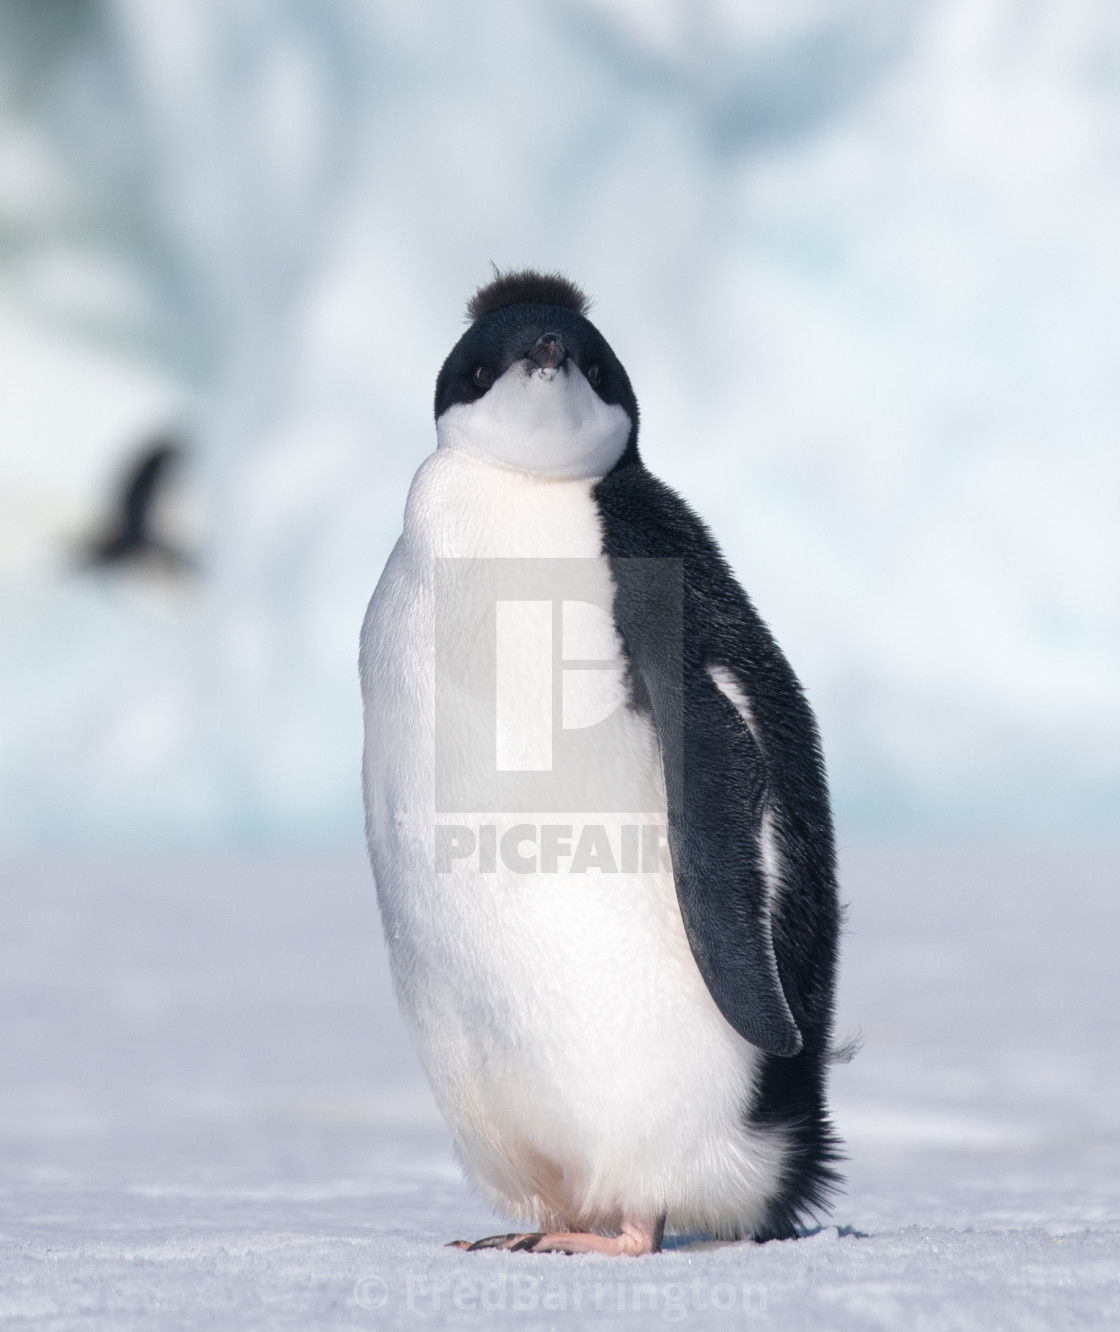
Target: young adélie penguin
[(637, 1043)]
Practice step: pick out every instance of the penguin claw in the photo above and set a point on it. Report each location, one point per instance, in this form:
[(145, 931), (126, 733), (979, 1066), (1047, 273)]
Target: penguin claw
[(516, 1240)]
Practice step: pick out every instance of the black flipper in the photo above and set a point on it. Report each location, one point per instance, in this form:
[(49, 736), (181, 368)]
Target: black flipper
[(770, 974), (715, 837)]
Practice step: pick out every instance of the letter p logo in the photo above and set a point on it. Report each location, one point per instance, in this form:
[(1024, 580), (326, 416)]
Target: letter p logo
[(589, 670), (532, 688)]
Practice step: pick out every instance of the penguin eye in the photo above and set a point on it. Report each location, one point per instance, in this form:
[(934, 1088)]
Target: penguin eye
[(593, 375), (483, 376)]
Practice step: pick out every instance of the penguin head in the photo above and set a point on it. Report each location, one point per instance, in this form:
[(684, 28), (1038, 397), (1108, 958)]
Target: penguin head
[(533, 385)]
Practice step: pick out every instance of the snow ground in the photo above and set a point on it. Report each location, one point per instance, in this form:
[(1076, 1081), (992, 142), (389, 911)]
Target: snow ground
[(211, 1118)]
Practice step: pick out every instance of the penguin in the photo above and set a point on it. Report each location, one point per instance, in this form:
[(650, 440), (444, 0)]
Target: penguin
[(623, 1044), (131, 536)]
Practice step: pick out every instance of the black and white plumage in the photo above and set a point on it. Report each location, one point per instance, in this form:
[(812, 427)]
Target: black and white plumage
[(610, 1063)]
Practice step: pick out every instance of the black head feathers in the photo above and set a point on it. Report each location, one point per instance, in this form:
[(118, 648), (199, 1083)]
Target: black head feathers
[(527, 287)]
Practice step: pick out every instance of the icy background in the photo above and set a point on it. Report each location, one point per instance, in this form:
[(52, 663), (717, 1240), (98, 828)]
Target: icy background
[(859, 257)]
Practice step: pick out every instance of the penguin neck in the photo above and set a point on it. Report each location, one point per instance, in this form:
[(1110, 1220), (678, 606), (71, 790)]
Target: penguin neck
[(548, 421), (463, 507)]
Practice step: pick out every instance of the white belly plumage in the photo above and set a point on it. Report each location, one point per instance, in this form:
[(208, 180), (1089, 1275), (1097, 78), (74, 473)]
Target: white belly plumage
[(571, 1043)]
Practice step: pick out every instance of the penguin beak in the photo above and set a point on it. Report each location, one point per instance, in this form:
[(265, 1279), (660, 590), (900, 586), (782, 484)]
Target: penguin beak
[(548, 351)]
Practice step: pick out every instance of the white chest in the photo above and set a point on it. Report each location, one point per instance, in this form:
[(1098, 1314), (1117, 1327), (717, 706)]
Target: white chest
[(462, 507), (538, 953)]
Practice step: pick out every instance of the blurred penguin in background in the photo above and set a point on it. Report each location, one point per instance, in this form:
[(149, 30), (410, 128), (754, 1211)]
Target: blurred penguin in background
[(139, 530)]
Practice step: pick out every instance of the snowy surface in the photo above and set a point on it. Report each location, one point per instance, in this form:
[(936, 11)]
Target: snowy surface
[(211, 1117)]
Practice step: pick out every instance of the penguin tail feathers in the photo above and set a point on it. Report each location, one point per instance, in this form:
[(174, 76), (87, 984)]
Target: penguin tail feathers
[(812, 1182)]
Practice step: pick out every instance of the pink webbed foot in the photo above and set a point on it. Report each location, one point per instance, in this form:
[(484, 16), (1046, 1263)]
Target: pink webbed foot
[(634, 1239)]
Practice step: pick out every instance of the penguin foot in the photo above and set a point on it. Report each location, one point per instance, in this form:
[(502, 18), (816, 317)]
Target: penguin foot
[(634, 1239), (514, 1241)]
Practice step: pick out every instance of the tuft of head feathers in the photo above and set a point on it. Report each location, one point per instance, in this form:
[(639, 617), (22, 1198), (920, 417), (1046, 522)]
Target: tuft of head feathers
[(527, 287)]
